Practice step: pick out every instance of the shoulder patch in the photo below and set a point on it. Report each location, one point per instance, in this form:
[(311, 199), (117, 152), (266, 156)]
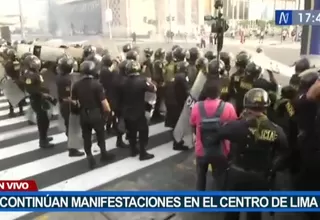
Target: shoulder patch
[(28, 81)]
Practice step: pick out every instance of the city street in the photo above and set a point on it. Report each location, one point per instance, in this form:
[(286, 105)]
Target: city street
[(21, 158)]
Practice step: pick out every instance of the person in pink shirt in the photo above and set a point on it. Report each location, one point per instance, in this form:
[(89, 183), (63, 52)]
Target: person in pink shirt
[(211, 103)]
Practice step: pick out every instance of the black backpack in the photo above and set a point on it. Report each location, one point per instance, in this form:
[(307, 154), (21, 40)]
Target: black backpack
[(208, 127)]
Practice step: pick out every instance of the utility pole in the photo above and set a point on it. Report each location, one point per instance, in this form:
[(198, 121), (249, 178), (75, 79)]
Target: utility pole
[(109, 18), (21, 20)]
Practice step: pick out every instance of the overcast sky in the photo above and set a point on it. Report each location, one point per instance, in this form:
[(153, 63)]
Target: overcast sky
[(31, 8)]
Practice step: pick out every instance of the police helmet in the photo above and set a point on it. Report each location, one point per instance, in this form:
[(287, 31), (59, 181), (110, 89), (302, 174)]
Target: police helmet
[(65, 65), (259, 50), (132, 55), (254, 70), (88, 50), (3, 42), (10, 54), (88, 67), (107, 60), (193, 54), (175, 47), (202, 63), (132, 66), (169, 56), (179, 54), (216, 67), (288, 92), (33, 63), (182, 67), (302, 65), (159, 53), (126, 48), (210, 55), (242, 59), (226, 58), (256, 99), (15, 43), (148, 52), (23, 42), (23, 56), (307, 79)]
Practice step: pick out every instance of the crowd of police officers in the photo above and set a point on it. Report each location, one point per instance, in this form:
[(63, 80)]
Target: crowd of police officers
[(273, 133)]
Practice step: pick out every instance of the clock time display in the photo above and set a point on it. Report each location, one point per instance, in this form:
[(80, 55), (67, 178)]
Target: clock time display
[(306, 17)]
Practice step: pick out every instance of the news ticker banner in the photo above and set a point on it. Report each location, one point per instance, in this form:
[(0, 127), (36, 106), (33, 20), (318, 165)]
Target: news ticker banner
[(144, 201), (24, 196)]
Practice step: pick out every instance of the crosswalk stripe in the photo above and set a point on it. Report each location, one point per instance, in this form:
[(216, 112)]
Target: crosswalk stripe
[(52, 169), (35, 167)]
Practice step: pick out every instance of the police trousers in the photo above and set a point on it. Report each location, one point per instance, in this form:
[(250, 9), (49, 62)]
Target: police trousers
[(65, 113), (92, 119), (238, 179), (39, 107), (133, 128)]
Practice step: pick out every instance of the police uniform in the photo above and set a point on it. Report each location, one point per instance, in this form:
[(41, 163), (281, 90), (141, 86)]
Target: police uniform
[(39, 98), (147, 67), (192, 56), (180, 95), (242, 59), (216, 69), (307, 116), (300, 66), (259, 149), (88, 50), (64, 68), (111, 80), (159, 79), (132, 94), (12, 68), (89, 95)]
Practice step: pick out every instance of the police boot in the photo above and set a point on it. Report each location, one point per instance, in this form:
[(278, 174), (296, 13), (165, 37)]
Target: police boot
[(106, 157), (91, 162), (120, 143), (11, 114), (144, 155), (45, 144), (179, 146), (75, 153), (21, 112)]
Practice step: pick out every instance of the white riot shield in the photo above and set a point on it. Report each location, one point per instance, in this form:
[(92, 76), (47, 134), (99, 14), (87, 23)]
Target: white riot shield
[(183, 127), (12, 91), (24, 48), (150, 98), (75, 140), (31, 115), (2, 72)]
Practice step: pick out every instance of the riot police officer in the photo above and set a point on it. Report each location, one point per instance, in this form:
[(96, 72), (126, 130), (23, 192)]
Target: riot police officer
[(125, 49), (111, 81), (96, 58), (307, 116), (169, 67), (202, 65), (216, 69), (147, 67), (88, 94), (192, 56), (64, 68), (12, 68), (180, 94), (242, 59), (39, 98), (259, 149), (210, 55), (88, 50), (179, 54), (300, 66), (132, 94)]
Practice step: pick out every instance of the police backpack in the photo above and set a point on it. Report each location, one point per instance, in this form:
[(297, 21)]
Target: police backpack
[(209, 126)]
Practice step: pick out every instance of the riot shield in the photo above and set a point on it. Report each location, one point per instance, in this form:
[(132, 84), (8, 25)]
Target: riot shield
[(24, 48), (2, 72), (150, 99), (74, 133), (183, 127), (12, 91)]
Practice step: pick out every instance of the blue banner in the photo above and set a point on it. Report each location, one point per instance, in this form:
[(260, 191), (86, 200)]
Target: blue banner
[(160, 201)]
